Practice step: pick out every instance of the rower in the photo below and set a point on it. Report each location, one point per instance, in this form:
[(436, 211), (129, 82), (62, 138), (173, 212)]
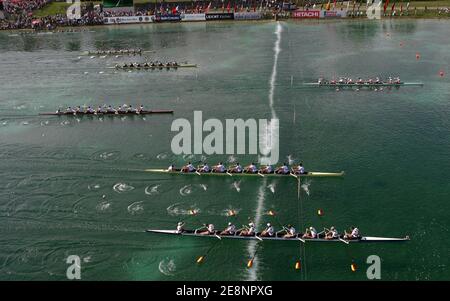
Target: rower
[(90, 110), (354, 233), (180, 228), (269, 231), (230, 230), (121, 110), (290, 232), (188, 168), (131, 110), (111, 110), (268, 169), (333, 81), (171, 168), (397, 80), (350, 81), (219, 168), (332, 233), (299, 170), (78, 110), (204, 168), (284, 169), (235, 169), (248, 231), (209, 230), (146, 65), (99, 110), (141, 109), (360, 81), (377, 80), (251, 168), (310, 232)]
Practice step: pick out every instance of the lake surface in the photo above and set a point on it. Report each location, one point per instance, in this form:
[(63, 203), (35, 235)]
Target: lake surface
[(75, 186)]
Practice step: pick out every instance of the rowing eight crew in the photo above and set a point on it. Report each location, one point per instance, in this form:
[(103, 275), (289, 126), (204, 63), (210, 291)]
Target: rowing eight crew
[(360, 81), (102, 110), (148, 65), (238, 168), (122, 51), (286, 232)]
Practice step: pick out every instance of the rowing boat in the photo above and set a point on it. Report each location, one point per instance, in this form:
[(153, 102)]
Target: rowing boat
[(154, 67), (309, 174), (297, 238), (363, 84), (108, 114)]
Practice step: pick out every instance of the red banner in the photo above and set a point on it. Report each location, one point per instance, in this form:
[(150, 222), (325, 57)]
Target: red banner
[(306, 14)]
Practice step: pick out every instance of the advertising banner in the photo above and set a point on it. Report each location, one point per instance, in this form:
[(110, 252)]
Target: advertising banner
[(306, 14), (193, 17), (224, 16), (128, 20), (333, 14), (167, 18), (248, 16)]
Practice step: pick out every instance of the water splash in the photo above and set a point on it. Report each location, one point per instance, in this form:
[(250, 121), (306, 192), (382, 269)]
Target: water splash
[(271, 187), (167, 267), (152, 190), (161, 156), (122, 187), (186, 190), (176, 210), (203, 186), (291, 159), (135, 208), (94, 186), (236, 185), (231, 159), (103, 206), (305, 187)]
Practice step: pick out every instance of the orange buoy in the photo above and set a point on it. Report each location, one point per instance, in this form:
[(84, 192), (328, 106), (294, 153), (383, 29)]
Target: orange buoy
[(250, 263), (192, 212), (319, 212), (417, 56), (231, 213), (298, 265), (353, 267), (200, 259), (441, 73)]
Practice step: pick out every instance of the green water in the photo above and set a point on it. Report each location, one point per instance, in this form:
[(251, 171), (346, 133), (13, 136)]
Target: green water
[(393, 145)]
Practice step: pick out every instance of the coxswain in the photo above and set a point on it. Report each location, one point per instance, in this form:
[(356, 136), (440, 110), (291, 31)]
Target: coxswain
[(208, 231), (204, 168), (284, 169), (353, 234), (251, 168), (180, 228), (299, 170), (58, 111), (235, 169), (188, 168), (248, 231), (90, 110), (229, 230), (268, 169), (290, 232), (269, 231), (332, 233), (171, 168), (219, 168), (310, 232)]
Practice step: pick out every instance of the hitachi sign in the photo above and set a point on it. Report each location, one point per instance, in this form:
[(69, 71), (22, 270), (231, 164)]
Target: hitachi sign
[(313, 14)]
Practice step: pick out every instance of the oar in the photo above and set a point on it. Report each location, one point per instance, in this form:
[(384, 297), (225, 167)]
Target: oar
[(344, 241), (198, 173), (260, 174), (229, 174), (215, 234), (250, 262), (295, 176), (201, 258)]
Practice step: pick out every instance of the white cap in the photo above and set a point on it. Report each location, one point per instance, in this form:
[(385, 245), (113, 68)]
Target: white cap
[(229, 223), (268, 224), (180, 223), (251, 224)]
